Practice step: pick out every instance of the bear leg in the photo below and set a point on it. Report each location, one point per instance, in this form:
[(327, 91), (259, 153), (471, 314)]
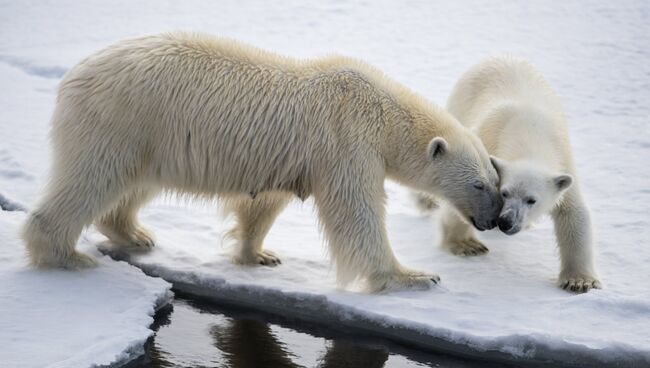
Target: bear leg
[(426, 203), (254, 220), (74, 197), (574, 238), (121, 224), (352, 214), (458, 237)]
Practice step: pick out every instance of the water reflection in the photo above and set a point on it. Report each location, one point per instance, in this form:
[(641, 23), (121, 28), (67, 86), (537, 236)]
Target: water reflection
[(195, 334), (342, 354), (248, 344)]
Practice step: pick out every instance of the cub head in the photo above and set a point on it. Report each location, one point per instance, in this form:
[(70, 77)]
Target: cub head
[(527, 193), (460, 172)]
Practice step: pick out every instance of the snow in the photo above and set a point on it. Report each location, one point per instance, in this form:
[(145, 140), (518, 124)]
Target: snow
[(64, 319), (503, 305)]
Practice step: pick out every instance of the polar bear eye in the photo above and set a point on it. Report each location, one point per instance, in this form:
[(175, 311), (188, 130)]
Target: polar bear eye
[(479, 185), (531, 201), (504, 194)]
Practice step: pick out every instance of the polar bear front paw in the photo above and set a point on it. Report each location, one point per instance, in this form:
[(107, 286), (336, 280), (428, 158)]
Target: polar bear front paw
[(264, 258), (403, 280), (579, 283), (466, 247)]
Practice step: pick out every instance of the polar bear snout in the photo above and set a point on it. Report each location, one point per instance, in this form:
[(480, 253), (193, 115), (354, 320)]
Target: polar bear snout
[(483, 226), (488, 215), (486, 224), (490, 210), (509, 221), (505, 224)]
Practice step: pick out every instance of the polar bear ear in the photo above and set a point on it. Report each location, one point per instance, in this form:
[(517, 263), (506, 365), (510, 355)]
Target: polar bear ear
[(437, 147), (499, 164), (563, 181)]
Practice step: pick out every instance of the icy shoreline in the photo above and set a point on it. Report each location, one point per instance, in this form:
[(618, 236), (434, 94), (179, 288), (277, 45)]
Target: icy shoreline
[(531, 350)]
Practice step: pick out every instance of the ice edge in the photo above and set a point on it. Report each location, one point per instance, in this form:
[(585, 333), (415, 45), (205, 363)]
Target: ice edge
[(319, 309)]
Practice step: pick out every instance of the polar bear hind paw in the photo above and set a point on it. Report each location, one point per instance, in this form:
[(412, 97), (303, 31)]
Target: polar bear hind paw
[(74, 261), (81, 261)]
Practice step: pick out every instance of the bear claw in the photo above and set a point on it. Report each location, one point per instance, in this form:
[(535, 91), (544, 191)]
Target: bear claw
[(579, 284), (403, 280), (140, 241), (264, 258)]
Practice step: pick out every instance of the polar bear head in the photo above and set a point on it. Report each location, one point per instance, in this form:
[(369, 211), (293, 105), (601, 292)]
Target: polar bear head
[(460, 172), (528, 193)]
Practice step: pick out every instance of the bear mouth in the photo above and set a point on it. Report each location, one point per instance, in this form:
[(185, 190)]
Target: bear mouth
[(473, 220)]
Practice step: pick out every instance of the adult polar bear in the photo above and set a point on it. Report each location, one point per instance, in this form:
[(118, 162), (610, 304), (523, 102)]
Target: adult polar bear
[(211, 117), (519, 118)]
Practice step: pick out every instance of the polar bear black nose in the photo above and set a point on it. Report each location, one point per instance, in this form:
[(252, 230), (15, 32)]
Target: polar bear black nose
[(504, 223)]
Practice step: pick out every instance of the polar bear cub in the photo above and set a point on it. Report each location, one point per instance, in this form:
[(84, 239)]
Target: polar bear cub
[(211, 117), (520, 119)]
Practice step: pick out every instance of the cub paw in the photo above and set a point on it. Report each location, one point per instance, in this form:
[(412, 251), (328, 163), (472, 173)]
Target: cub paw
[(466, 247), (264, 258), (579, 283)]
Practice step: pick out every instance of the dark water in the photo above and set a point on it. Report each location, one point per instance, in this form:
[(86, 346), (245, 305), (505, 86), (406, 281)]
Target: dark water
[(194, 333)]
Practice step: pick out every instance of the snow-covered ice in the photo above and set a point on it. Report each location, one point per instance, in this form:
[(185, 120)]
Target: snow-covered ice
[(63, 319), (503, 304)]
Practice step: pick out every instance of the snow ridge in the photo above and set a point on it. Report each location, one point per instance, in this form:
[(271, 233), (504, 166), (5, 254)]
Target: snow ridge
[(8, 205), (31, 68)]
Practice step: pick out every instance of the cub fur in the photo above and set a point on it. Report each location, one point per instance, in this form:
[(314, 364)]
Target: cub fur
[(520, 119)]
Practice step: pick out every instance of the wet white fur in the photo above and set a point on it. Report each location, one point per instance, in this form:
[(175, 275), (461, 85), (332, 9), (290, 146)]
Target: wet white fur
[(211, 117), (519, 118)]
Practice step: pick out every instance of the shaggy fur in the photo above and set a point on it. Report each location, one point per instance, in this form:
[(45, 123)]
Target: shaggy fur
[(520, 119), (210, 117)]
